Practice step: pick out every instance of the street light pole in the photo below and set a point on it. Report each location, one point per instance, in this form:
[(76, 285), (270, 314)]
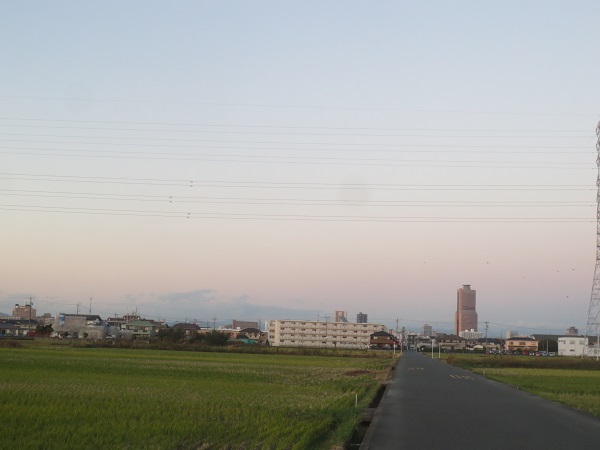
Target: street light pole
[(29, 324)]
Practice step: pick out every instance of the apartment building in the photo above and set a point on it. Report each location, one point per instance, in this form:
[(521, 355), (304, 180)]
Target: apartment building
[(472, 334), (521, 344), (308, 333)]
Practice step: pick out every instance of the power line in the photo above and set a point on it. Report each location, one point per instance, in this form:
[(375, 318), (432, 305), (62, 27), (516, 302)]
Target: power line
[(293, 217), (170, 140), (310, 160), (297, 133), (289, 106), (396, 148), (281, 201), (290, 185), (294, 127)]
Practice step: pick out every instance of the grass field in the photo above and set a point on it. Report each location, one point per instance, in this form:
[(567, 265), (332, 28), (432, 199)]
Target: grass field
[(571, 381), (78, 398)]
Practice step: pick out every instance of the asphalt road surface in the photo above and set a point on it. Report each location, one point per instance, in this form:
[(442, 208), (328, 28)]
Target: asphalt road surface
[(433, 405)]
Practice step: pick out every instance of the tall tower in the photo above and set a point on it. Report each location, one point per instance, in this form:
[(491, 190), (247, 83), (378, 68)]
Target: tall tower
[(465, 317), (341, 316), (593, 325)]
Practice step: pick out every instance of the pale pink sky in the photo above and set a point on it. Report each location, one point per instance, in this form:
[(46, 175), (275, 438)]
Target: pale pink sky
[(206, 161)]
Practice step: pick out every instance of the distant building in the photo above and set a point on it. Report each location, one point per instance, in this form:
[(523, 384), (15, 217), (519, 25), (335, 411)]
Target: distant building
[(341, 316), (450, 342), (361, 318), (572, 346), (142, 329), (46, 319), (383, 339), (253, 334), (520, 343), (427, 330), (240, 324), (510, 334), (119, 322), (547, 342), (24, 312), (465, 317), (471, 334), (572, 331), (81, 326), (309, 333), (8, 329)]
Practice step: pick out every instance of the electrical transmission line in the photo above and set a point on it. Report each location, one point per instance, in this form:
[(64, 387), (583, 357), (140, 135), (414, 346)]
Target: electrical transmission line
[(593, 325)]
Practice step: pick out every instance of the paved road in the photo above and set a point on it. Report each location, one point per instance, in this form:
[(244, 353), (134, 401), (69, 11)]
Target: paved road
[(433, 405)]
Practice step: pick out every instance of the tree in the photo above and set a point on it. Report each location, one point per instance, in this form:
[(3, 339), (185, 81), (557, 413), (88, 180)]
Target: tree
[(44, 329), (171, 334), (212, 338)]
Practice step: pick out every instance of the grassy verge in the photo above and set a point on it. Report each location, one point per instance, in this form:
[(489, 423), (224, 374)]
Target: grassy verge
[(572, 381), (67, 397)]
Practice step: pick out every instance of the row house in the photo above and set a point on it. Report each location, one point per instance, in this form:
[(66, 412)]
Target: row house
[(8, 329), (450, 342), (383, 339), (17, 327), (142, 329), (249, 335)]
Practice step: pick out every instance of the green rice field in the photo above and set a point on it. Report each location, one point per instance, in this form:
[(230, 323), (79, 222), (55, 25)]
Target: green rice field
[(88, 398)]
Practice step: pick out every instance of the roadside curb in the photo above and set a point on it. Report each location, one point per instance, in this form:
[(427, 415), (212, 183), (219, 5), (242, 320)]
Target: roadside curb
[(375, 414)]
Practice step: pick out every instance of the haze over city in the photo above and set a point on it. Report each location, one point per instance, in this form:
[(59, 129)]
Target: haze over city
[(270, 160)]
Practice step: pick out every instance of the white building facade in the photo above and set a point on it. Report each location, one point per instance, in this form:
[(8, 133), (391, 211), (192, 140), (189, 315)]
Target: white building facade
[(308, 333), (472, 334), (85, 326), (576, 346)]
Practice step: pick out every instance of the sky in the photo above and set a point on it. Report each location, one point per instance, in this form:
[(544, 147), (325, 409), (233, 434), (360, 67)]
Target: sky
[(258, 160)]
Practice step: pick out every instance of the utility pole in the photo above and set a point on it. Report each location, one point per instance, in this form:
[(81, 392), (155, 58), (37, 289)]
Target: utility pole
[(403, 339), (91, 305), (29, 325), (214, 323), (486, 328)]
